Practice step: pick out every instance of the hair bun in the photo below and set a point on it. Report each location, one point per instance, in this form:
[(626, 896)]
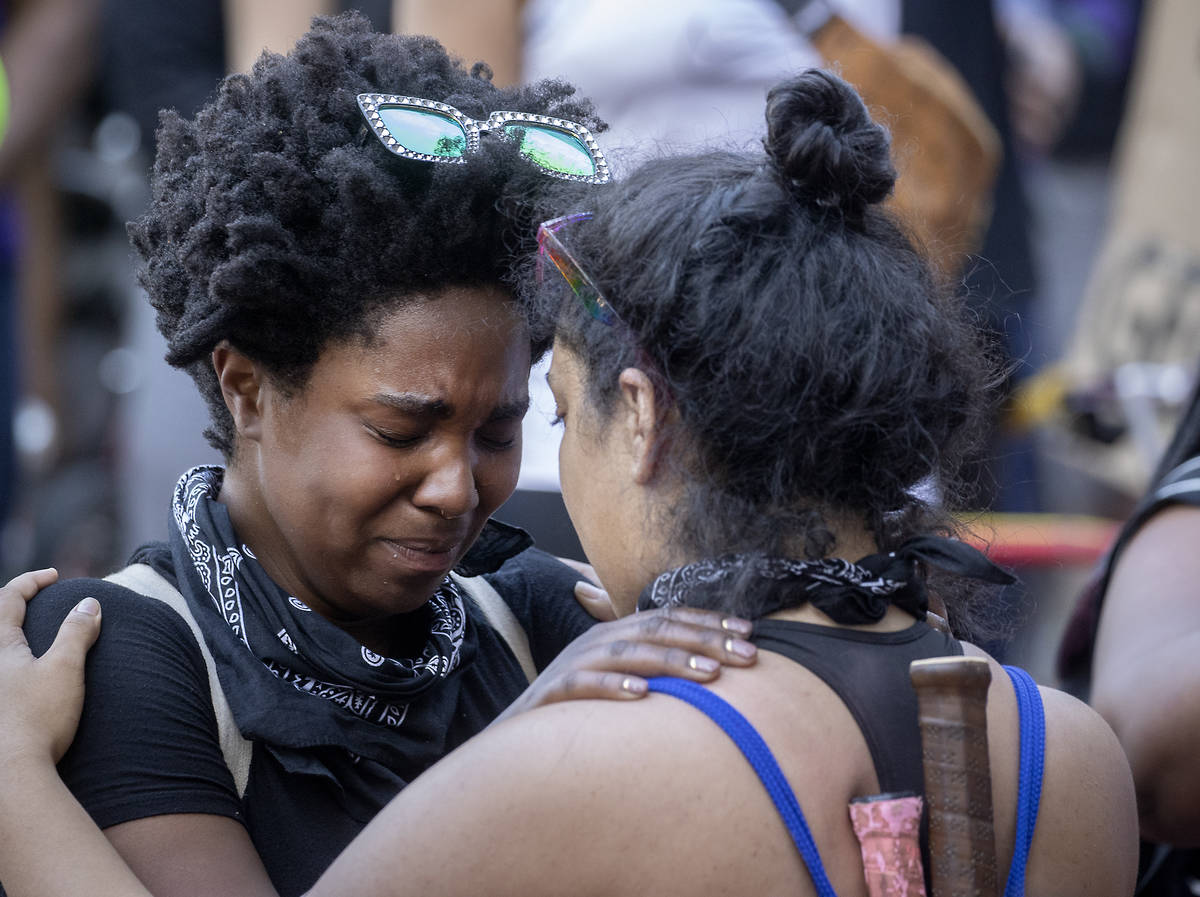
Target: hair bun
[(824, 144)]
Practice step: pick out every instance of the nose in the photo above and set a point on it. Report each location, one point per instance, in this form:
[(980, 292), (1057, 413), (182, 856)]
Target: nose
[(448, 486)]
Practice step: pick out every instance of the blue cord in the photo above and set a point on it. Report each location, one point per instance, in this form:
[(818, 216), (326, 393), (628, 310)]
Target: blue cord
[(756, 751), (1029, 781)]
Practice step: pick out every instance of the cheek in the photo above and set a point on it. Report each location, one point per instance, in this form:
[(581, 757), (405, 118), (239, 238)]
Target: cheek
[(496, 477), (566, 472), (328, 480), (578, 489)]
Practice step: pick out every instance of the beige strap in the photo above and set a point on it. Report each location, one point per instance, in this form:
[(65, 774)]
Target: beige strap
[(501, 617), (237, 750)]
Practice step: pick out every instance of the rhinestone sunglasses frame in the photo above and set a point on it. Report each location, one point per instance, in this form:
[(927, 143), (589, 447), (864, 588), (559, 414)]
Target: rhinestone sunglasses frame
[(370, 103)]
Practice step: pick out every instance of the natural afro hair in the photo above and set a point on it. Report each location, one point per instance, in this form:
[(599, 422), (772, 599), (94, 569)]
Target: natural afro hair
[(275, 226)]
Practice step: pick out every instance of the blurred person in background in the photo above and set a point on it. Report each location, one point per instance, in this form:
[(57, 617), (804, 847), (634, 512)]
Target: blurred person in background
[(1071, 65), (46, 47), (171, 56), (143, 54), (1131, 649)]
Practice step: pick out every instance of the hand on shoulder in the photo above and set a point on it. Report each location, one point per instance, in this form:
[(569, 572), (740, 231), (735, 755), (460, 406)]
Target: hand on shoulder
[(41, 698), (614, 659)]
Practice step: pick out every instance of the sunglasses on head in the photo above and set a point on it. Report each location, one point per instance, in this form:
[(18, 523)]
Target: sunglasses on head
[(551, 246), (429, 131)]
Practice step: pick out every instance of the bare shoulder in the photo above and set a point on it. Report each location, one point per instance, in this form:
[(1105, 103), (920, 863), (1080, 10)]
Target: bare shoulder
[(1088, 818), (1083, 747), (1086, 838)]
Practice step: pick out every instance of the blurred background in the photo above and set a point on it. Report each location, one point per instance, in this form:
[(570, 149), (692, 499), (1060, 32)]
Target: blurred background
[(1046, 150)]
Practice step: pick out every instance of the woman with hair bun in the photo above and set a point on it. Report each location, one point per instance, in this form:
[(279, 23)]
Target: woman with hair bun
[(758, 380)]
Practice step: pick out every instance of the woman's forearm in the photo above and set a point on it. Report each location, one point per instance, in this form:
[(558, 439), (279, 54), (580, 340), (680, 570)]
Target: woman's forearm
[(37, 814), (1154, 707), (1146, 671)]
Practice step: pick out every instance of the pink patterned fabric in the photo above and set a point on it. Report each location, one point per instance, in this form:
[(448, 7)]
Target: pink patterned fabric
[(888, 833)]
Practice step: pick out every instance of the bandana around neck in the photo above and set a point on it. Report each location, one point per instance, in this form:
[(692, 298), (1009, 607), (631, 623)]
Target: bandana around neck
[(849, 593), (292, 678)]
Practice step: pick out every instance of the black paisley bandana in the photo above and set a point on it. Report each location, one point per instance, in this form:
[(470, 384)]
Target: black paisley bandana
[(292, 678), (849, 593)]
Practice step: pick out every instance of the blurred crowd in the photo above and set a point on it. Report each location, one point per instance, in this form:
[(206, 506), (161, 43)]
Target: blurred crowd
[(1077, 254)]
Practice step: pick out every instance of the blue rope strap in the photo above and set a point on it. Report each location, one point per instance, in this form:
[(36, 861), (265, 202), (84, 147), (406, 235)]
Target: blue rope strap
[(746, 737), (1029, 781)]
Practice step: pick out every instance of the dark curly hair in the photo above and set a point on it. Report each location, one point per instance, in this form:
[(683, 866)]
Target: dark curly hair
[(273, 226), (816, 364)]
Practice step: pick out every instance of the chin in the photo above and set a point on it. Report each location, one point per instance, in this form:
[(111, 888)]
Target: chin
[(383, 592)]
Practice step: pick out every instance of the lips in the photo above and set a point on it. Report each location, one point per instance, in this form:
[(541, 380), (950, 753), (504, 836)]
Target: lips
[(425, 555)]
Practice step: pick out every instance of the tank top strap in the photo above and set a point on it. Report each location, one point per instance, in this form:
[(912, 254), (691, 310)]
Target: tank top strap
[(1032, 717), (755, 750)]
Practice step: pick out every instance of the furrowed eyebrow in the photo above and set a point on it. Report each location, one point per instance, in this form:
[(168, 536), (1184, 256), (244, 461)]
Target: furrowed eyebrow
[(410, 403), (510, 411), (419, 405)]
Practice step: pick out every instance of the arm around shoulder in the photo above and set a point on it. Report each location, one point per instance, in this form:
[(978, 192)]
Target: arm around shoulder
[(538, 805)]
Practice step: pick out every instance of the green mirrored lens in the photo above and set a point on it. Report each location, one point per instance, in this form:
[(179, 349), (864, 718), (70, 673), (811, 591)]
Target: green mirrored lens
[(553, 149), (425, 131)]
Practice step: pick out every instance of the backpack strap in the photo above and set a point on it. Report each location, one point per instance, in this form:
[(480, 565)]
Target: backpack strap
[(497, 612), (236, 749)]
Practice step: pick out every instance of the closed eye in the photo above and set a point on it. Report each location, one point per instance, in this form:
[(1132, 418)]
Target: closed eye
[(394, 440), (500, 440), (498, 445)]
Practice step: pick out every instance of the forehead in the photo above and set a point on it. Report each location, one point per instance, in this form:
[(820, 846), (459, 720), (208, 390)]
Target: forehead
[(564, 368), (460, 345)]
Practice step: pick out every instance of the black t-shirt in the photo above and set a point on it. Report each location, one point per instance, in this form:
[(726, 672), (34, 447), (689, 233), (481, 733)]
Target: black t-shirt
[(148, 745)]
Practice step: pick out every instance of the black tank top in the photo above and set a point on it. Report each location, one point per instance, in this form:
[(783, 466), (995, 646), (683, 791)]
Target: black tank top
[(869, 672)]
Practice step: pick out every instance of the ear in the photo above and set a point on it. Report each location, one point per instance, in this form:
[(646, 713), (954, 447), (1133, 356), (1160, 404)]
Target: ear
[(643, 416), (241, 382)]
